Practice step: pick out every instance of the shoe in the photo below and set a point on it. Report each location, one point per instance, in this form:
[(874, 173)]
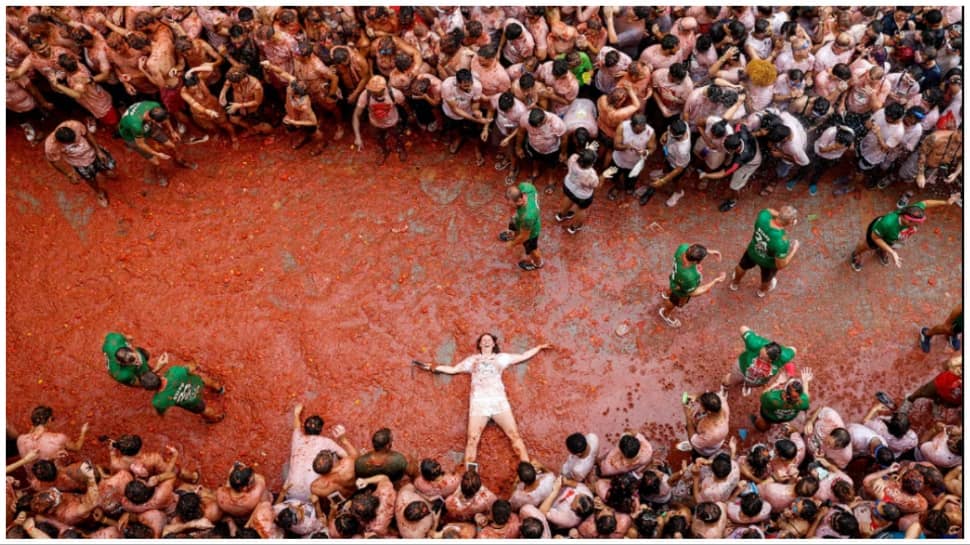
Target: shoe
[(884, 259), (573, 229), (613, 193), (887, 401), (506, 236), (924, 341), (856, 265), (671, 322), (745, 392), (29, 132), (904, 200), (954, 342), (791, 184), (885, 182), (727, 205), (663, 295), (561, 218), (771, 287), (528, 265), (733, 286), (813, 189), (684, 446), (647, 195), (672, 201)]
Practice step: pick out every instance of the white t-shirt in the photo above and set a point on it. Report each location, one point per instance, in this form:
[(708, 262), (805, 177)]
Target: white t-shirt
[(606, 76), (678, 151), (861, 436), (576, 468), (509, 120), (303, 449), (637, 142), (898, 445), (827, 138), (464, 100), (310, 523), (561, 513), (799, 142), (762, 47), (546, 137), (892, 135), (580, 181), (535, 496)]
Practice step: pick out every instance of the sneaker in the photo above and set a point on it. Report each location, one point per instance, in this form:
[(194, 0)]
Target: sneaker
[(790, 185), (771, 287), (573, 229), (672, 201), (647, 195), (856, 265), (954, 342), (561, 218), (506, 236), (29, 132), (684, 446), (733, 286), (727, 205), (671, 322), (613, 193), (924, 341), (813, 189), (884, 258), (528, 265)]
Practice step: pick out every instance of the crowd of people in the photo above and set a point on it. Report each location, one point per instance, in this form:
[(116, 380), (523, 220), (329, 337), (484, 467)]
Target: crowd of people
[(643, 99)]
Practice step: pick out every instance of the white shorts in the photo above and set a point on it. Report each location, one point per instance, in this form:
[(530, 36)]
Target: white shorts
[(488, 406), (741, 176)]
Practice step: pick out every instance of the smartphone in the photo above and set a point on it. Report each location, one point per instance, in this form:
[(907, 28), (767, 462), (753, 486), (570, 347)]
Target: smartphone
[(335, 498), (471, 466)]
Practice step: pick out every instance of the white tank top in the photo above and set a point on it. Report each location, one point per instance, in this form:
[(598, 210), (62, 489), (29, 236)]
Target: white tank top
[(637, 142)]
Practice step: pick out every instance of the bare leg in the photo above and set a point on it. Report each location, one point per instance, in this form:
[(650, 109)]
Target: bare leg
[(579, 219), (738, 275), (507, 422), (732, 378), (475, 426)]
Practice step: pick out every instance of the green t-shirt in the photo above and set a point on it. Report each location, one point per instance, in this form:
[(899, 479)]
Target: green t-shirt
[(891, 230), (124, 374), (132, 124), (527, 217), (775, 409), (394, 466), (767, 243), (757, 371), (584, 70), (683, 279), (182, 389)]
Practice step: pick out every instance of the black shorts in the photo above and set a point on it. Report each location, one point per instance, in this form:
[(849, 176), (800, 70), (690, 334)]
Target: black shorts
[(463, 126), (583, 204), (531, 245), (869, 240), (550, 159), (105, 164), (196, 408), (605, 141), (679, 300), (767, 273)]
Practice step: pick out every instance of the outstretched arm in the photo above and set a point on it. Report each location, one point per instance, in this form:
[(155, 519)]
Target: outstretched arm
[(453, 369), (519, 358)]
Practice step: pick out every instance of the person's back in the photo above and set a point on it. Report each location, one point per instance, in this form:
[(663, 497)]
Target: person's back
[(382, 460)]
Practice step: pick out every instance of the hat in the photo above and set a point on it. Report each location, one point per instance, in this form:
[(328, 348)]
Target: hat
[(377, 84)]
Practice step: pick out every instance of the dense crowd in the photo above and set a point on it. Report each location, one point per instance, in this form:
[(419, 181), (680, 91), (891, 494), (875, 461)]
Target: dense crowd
[(645, 98)]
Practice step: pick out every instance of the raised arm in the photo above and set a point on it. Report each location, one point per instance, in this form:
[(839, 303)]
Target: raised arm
[(455, 369), (519, 358)]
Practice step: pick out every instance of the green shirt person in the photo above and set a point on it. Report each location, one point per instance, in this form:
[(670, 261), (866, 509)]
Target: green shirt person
[(685, 280), (182, 386), (526, 224), (580, 65), (782, 401), (759, 362), (886, 231), (132, 125), (125, 363), (382, 460), (769, 248)]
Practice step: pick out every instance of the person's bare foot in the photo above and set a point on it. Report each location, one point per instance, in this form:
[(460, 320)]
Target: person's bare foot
[(339, 132), (103, 199)]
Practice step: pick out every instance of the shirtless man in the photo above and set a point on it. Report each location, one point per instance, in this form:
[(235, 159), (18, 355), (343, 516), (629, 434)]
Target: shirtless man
[(939, 159), (413, 514), (433, 483), (196, 52), (612, 110), (306, 442), (353, 69), (124, 53), (707, 422), (157, 493), (48, 444), (73, 145), (206, 111), (471, 498), (69, 509), (336, 474), (632, 453), (242, 492), (80, 86), (247, 96), (375, 508)]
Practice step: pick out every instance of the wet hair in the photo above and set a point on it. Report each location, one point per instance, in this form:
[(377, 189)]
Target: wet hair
[(576, 443), (676, 524), (137, 40), (932, 477), (719, 129), (488, 52), (560, 67), (759, 457), (842, 71), (246, 15), (495, 347), (364, 506), (150, 381), (323, 462), (286, 518), (721, 465), (777, 134), (65, 135), (582, 137), (890, 511), (403, 61), (845, 523), (501, 511), (240, 477), (709, 400), (340, 56), (807, 509), (844, 136), (313, 425), (884, 456), (638, 119), (70, 533), (137, 530), (44, 470), (649, 484), (513, 31), (474, 29), (23, 503), (762, 25), (842, 490), (669, 42), (189, 507), (536, 117), (190, 80), (677, 71), (773, 349), (629, 446), (381, 439), (158, 114), (531, 528), (841, 437), (584, 505), (678, 128), (936, 523), (751, 504), (247, 533), (143, 19), (605, 524), (471, 483), (430, 469), (346, 524), (895, 112), (703, 43), (464, 76), (806, 486), (646, 524), (707, 512), (912, 482), (138, 492), (786, 449), (41, 415), (67, 62), (527, 81), (736, 30), (620, 495), (237, 31), (732, 142), (611, 58), (728, 97), (526, 473), (898, 424), (416, 511), (587, 158)]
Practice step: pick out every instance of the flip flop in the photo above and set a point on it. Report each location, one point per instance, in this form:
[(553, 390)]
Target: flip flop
[(550, 189), (502, 164)]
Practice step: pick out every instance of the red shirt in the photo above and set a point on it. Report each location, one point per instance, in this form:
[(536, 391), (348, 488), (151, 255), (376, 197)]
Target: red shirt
[(949, 386)]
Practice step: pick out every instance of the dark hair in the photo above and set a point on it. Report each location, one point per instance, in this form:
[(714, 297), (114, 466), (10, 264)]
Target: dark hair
[(629, 446), (584, 505), (403, 61), (526, 473), (773, 349), (65, 135), (346, 524), (364, 506), (605, 524), (842, 490), (732, 142), (190, 80), (884, 456), (560, 67), (323, 462), (587, 158), (488, 52), (576, 443), (845, 523), (240, 477), (914, 211), (676, 524), (137, 530), (728, 97), (513, 31), (649, 484), (416, 511), (286, 518), (703, 43), (895, 112), (678, 128), (247, 533), (339, 56), (67, 62), (721, 465), (527, 81), (709, 400), (841, 437), (474, 28), (786, 449), (531, 528), (751, 504), (44, 470), (464, 76), (471, 482), (890, 511), (505, 101), (677, 71), (719, 129), (381, 439), (912, 482), (235, 31), (936, 523), (611, 58), (536, 117), (646, 524), (430, 469), (806, 486), (776, 134), (844, 137), (669, 42), (842, 71), (69, 533), (707, 512), (898, 424), (158, 114), (313, 425), (189, 507), (759, 457), (620, 495), (138, 492), (478, 342), (137, 40), (582, 137), (41, 415), (501, 511), (150, 381), (128, 444), (762, 25), (808, 509)]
